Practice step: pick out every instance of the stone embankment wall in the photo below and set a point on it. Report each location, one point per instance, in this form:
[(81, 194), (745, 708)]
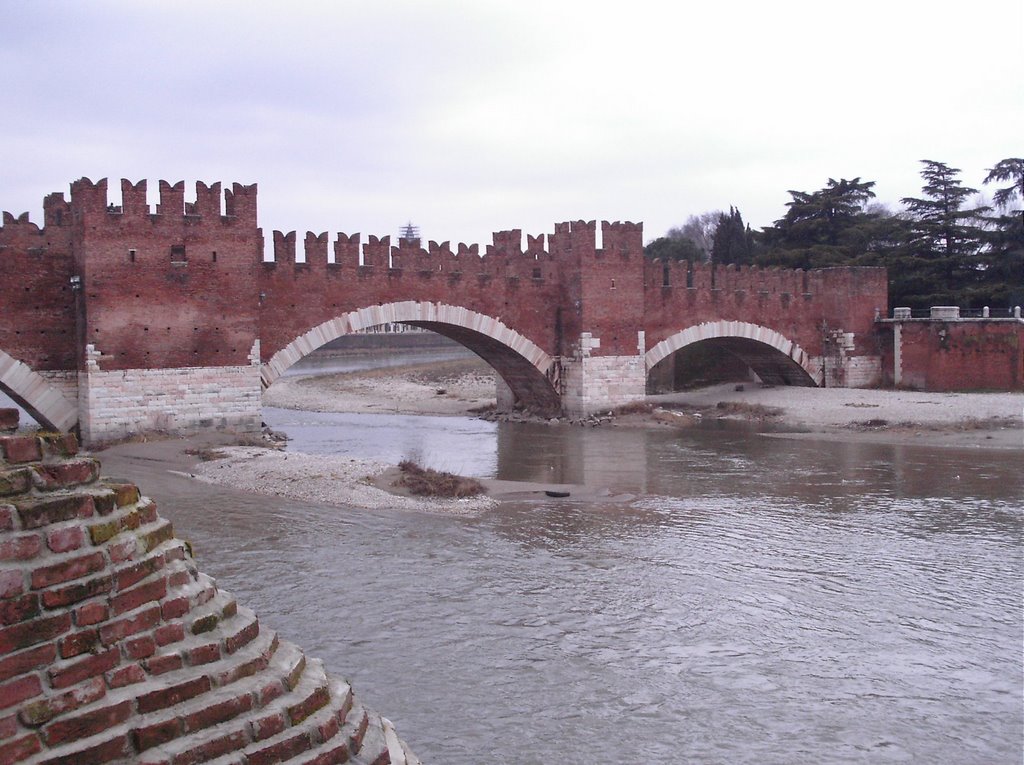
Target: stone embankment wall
[(115, 648)]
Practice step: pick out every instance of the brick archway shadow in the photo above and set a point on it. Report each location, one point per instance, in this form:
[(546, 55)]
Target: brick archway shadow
[(775, 358), (36, 395), (530, 373)]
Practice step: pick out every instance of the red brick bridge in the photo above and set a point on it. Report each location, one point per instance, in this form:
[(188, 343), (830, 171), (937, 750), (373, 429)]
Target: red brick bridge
[(117, 317)]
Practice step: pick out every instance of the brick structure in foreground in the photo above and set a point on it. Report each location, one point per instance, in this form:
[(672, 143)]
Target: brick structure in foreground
[(115, 648)]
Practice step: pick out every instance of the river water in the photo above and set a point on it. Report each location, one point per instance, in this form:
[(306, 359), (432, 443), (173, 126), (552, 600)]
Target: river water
[(758, 600)]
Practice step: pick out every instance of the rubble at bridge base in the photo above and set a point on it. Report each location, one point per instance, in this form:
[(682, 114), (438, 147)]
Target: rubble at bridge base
[(115, 648)]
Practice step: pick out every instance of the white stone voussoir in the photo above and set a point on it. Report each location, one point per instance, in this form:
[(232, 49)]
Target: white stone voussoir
[(715, 329), (406, 311)]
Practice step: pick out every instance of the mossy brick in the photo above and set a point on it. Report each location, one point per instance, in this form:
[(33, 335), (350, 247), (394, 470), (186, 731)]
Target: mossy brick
[(20, 547), (30, 633), (20, 748), (131, 520), (16, 481), (85, 724), (20, 689), (99, 533), (105, 502), (14, 610), (59, 445), (205, 623), (68, 570), (67, 474), (41, 712), (59, 597), (174, 694), (154, 537), (26, 661), (19, 449), (125, 493), (67, 675), (36, 513)]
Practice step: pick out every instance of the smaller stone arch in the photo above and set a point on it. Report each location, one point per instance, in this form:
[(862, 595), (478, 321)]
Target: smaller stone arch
[(530, 373), (740, 338), (36, 394)]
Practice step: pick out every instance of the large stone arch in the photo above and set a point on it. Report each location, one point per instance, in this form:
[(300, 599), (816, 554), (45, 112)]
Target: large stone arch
[(529, 372), (37, 395), (773, 356)]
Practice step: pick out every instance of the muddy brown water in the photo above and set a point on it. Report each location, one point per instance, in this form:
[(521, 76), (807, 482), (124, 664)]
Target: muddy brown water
[(760, 600)]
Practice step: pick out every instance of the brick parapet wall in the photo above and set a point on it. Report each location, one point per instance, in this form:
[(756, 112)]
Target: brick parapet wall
[(804, 306), (114, 647), (953, 355)]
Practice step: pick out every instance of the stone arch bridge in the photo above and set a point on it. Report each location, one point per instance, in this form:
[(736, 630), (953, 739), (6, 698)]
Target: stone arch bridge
[(116, 317)]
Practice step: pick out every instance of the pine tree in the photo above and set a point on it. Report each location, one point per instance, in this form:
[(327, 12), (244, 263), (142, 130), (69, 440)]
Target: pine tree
[(733, 241), (827, 227), (946, 237), (1002, 277)]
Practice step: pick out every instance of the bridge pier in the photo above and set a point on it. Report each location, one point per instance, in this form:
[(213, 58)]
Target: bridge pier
[(593, 383), (114, 404)]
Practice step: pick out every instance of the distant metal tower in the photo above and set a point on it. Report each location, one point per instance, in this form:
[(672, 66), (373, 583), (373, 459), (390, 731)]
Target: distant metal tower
[(410, 232)]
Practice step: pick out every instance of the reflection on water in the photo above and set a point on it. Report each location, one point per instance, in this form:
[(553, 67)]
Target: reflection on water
[(762, 601)]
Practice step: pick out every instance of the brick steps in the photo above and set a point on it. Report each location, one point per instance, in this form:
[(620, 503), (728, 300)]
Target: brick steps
[(115, 648)]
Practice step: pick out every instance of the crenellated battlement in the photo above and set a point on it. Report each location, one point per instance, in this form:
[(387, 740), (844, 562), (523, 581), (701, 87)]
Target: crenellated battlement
[(89, 199), (542, 258)]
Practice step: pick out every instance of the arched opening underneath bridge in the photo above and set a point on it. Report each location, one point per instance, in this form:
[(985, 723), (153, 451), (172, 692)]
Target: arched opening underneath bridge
[(36, 395), (529, 373), (726, 350)]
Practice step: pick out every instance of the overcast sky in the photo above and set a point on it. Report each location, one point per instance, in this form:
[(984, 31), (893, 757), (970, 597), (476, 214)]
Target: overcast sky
[(470, 116)]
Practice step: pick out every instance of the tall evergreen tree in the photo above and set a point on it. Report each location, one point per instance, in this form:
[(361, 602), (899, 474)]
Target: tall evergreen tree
[(733, 241), (945, 237), (1002, 277), (824, 228)]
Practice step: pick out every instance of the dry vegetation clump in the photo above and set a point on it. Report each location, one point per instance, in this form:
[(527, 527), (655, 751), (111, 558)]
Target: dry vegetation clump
[(206, 454), (634, 407), (426, 482), (748, 411)]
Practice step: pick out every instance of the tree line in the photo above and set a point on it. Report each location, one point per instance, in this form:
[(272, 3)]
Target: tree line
[(940, 249)]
